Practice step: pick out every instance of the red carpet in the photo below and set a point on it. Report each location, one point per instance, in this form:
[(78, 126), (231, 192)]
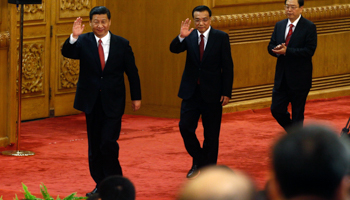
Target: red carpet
[(152, 153)]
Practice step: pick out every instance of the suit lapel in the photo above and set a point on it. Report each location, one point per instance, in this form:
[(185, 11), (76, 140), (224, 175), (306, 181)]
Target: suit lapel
[(112, 44), (210, 43), (283, 30), (194, 42), (94, 48), (297, 30)]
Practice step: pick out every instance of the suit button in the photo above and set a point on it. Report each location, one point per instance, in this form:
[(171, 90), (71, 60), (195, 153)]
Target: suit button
[(101, 77)]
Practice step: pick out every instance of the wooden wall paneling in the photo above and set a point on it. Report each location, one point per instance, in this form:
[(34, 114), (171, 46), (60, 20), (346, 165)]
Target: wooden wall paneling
[(4, 45), (35, 92), (3, 72), (224, 3), (2, 14), (67, 9), (65, 72), (36, 59), (150, 27), (33, 12), (11, 86), (161, 71), (225, 7), (251, 31)]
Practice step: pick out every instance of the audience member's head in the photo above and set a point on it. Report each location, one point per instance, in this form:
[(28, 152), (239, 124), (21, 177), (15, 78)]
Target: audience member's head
[(219, 183), (270, 191), (94, 197), (116, 188), (310, 161)]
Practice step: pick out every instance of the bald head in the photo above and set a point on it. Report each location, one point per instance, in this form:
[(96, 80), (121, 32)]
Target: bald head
[(219, 183)]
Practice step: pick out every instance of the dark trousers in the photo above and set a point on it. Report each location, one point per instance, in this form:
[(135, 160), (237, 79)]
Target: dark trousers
[(191, 110), (103, 133), (281, 98)]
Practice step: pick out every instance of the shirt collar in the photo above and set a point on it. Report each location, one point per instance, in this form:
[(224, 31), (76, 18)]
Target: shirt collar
[(295, 22), (206, 33), (105, 40)]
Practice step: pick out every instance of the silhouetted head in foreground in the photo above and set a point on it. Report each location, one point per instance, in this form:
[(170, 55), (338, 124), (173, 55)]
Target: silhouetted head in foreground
[(116, 188), (310, 161), (219, 183)]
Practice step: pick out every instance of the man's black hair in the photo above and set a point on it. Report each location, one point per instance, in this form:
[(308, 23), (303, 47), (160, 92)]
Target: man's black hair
[(300, 2), (310, 161), (99, 10), (116, 188), (201, 9)]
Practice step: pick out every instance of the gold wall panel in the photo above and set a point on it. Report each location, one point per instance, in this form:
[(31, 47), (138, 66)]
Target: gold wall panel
[(1, 2), (228, 7), (248, 22), (239, 21), (220, 3), (64, 72), (258, 34), (67, 70), (265, 91), (250, 34), (160, 70), (69, 73), (32, 12), (35, 78), (228, 3), (4, 39), (4, 83), (74, 8), (33, 69)]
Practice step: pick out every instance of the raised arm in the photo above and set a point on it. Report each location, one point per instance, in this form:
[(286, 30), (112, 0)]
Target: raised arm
[(185, 28), (78, 27)]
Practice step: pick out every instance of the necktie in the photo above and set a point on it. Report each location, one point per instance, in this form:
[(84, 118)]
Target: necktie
[(101, 54), (289, 34), (201, 47)]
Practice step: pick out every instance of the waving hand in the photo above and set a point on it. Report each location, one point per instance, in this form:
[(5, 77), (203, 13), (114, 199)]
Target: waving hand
[(185, 28), (78, 27)]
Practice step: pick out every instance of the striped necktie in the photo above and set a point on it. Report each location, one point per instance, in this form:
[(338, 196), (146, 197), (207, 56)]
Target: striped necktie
[(290, 32)]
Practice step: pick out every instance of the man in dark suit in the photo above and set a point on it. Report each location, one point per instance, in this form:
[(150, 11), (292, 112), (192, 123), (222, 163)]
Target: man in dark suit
[(293, 42), (206, 85), (104, 57)]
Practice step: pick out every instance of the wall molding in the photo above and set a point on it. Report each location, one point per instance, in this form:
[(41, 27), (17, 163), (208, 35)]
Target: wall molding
[(4, 39), (263, 91), (260, 96), (260, 34), (259, 19), (257, 27), (227, 3)]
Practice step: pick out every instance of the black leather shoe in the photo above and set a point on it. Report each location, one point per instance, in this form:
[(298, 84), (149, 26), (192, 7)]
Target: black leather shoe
[(94, 191), (193, 171)]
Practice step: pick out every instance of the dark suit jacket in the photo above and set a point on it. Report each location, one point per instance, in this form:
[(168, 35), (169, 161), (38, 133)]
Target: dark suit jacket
[(215, 72), (110, 81), (296, 65)]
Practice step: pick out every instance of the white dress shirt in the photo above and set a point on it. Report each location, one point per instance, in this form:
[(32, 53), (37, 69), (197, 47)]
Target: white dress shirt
[(106, 40), (294, 25), (206, 37)]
